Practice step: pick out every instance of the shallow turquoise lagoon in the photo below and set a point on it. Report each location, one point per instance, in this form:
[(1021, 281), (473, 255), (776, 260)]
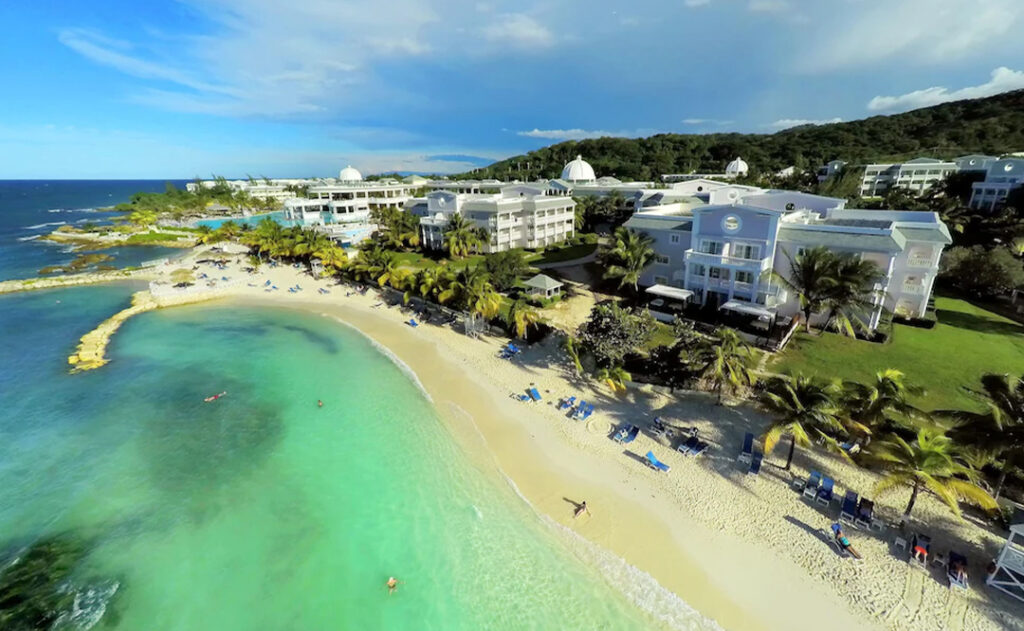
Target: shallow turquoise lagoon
[(261, 510)]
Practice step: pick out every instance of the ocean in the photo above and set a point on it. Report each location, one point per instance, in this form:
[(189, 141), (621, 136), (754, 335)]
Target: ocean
[(31, 208), (260, 510)]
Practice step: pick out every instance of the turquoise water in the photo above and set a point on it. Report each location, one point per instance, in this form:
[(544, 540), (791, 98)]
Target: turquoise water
[(261, 510), (277, 216)]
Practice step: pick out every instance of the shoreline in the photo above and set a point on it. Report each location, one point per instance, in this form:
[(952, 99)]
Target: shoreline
[(744, 551)]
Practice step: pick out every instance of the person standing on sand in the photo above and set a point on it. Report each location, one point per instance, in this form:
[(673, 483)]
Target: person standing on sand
[(580, 509)]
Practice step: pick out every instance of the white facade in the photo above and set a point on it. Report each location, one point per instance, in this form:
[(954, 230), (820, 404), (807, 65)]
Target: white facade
[(1001, 177), (275, 190), (342, 208), (831, 169), (917, 176), (723, 252), (520, 216), (578, 171)]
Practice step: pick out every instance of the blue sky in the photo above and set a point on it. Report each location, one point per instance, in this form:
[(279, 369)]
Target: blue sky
[(169, 89)]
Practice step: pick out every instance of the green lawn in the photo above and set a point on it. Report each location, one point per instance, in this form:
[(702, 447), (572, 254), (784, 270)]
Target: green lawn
[(563, 254), (966, 343), (145, 237), (417, 261)]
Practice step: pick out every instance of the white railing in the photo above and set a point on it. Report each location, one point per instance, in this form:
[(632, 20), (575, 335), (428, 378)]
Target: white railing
[(921, 261), (916, 289), (719, 259)]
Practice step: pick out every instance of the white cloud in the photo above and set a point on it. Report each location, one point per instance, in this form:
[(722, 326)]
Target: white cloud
[(910, 31), (705, 121), (583, 134), (786, 123), (518, 30), (1002, 80)]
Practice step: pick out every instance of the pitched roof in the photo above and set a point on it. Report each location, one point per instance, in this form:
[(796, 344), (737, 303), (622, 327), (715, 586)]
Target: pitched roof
[(934, 233), (652, 223), (842, 240), (540, 281)]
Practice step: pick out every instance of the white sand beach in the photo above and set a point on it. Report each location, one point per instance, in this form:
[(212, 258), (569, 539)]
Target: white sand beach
[(747, 551)]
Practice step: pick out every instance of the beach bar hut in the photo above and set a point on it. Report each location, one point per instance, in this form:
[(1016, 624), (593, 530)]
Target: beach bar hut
[(1009, 574), (543, 286)]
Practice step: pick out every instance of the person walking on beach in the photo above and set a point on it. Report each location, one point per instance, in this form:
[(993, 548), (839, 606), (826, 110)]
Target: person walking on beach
[(392, 585), (580, 509)]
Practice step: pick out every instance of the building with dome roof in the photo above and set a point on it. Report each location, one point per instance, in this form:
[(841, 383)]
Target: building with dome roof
[(578, 171), (349, 174), (736, 168)]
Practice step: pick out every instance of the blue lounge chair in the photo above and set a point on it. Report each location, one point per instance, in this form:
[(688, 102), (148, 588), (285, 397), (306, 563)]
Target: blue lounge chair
[(520, 397), (627, 434), (266, 284), (865, 514), (755, 463), (413, 323), (656, 464), (224, 278), (580, 409), (534, 394), (565, 404), (824, 496), (810, 488), (748, 448), (848, 512), (957, 562), (688, 446), (920, 541), (589, 409)]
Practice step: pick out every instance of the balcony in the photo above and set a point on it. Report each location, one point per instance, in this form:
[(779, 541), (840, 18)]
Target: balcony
[(921, 261), (914, 289), (718, 260)]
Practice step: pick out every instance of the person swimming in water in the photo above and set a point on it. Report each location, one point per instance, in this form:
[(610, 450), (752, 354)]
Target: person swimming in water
[(392, 585), (215, 397), (319, 403)]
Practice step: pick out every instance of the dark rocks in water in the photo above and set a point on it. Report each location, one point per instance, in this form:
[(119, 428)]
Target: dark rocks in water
[(37, 592)]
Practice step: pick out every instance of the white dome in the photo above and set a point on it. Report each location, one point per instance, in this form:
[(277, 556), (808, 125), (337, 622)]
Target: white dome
[(348, 174), (578, 170), (736, 167)]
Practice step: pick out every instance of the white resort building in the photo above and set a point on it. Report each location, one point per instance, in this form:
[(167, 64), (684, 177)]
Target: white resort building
[(342, 207), (519, 216), (917, 176), (736, 168), (1001, 176), (719, 247)]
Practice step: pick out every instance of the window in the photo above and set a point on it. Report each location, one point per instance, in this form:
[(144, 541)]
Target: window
[(745, 251), (711, 247), (744, 277), (660, 280), (673, 238), (660, 259), (697, 270), (718, 272)]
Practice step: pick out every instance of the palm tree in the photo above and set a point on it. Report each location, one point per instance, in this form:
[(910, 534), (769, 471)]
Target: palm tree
[(928, 463), (332, 257), (851, 295), (629, 254), (459, 237), (999, 429), (472, 291), (615, 376), (432, 281), (811, 276), (800, 405), (205, 234), (883, 405), (570, 344), (521, 316), (723, 361)]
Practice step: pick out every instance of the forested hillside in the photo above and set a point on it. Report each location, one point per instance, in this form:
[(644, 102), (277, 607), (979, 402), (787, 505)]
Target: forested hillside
[(993, 125)]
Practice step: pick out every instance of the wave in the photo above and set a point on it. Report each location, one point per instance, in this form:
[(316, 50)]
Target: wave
[(402, 366), (30, 237), (43, 225), (89, 605), (72, 210)]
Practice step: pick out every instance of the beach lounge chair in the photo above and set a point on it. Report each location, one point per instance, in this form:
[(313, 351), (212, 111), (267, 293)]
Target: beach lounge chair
[(413, 323), (865, 514), (656, 464), (627, 434), (267, 284), (565, 404), (810, 487), (824, 495), (699, 449), (520, 397), (835, 541), (957, 562), (925, 543), (587, 412), (658, 428), (534, 394), (748, 448), (224, 278), (848, 511), (688, 446), (580, 409), (755, 463)]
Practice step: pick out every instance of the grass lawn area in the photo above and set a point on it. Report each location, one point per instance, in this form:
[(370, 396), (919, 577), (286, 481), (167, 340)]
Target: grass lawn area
[(145, 237), (966, 343), (417, 261), (663, 336), (563, 254)]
